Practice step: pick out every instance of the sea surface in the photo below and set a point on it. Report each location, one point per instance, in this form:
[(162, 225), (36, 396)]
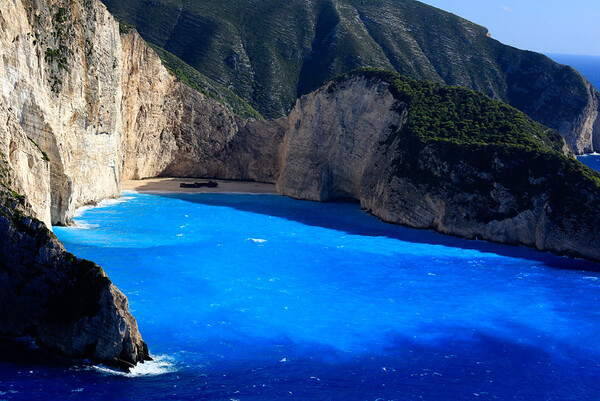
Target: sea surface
[(588, 66), (262, 297), (591, 160)]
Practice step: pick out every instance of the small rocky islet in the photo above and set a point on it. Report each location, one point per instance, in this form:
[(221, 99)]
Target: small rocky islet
[(86, 103)]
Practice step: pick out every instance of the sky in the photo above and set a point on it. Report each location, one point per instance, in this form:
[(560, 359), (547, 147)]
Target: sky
[(545, 26)]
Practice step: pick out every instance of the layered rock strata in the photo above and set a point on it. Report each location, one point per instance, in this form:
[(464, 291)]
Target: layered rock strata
[(172, 130), (61, 78), (83, 107)]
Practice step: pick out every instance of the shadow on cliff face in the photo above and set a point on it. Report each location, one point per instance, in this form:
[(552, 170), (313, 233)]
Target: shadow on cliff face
[(347, 217)]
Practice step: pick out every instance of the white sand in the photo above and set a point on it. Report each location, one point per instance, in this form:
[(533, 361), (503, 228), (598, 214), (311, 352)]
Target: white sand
[(150, 185)]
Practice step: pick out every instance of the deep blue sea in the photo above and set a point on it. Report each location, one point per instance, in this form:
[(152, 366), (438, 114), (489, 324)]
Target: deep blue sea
[(592, 160), (262, 297), (588, 66)]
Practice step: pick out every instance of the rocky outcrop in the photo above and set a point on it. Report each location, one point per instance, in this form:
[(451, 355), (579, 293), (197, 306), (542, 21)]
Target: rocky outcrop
[(61, 146), (25, 168), (333, 138), (67, 304), (83, 107), (352, 140), (555, 95), (103, 108)]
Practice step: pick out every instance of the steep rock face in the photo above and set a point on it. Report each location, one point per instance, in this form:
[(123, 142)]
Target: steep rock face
[(333, 138), (353, 140), (60, 88), (61, 78), (67, 304), (555, 95), (184, 133), (24, 168), (150, 108), (271, 52), (103, 108)]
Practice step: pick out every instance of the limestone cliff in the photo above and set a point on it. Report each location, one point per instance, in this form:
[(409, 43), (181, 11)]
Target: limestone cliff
[(172, 130), (358, 139), (67, 304), (81, 108), (25, 168), (103, 108), (60, 76)]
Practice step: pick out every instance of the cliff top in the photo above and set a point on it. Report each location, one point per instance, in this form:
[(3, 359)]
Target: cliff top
[(464, 119), (460, 115)]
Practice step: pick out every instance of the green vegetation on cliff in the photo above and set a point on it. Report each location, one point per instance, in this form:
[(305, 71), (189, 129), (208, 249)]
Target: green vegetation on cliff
[(192, 78), (460, 142), (462, 116), (269, 52)]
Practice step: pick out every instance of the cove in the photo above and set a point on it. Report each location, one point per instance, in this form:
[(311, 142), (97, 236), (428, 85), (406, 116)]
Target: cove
[(262, 297)]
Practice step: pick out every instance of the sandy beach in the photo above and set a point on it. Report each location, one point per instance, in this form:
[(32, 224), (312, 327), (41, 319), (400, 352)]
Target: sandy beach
[(150, 185)]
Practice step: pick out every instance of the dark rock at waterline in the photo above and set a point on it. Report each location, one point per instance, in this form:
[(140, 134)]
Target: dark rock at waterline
[(68, 305)]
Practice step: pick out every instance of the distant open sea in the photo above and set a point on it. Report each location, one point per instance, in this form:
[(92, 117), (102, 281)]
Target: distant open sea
[(588, 66)]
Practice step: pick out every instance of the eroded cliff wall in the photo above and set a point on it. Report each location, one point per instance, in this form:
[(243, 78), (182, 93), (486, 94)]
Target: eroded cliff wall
[(62, 145), (103, 108), (283, 49), (81, 108), (67, 304), (172, 130), (61, 78), (25, 170), (344, 141)]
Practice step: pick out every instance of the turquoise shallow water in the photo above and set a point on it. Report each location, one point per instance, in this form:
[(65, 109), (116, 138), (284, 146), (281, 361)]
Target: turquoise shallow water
[(260, 297)]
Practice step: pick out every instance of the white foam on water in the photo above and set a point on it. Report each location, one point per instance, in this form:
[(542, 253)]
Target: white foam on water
[(257, 240), (84, 225), (161, 365), (112, 202), (103, 203), (81, 210)]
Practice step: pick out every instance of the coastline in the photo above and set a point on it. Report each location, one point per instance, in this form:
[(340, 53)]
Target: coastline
[(169, 184)]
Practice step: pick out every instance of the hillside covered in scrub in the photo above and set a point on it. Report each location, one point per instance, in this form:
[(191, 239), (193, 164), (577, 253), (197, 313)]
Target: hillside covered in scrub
[(271, 52)]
